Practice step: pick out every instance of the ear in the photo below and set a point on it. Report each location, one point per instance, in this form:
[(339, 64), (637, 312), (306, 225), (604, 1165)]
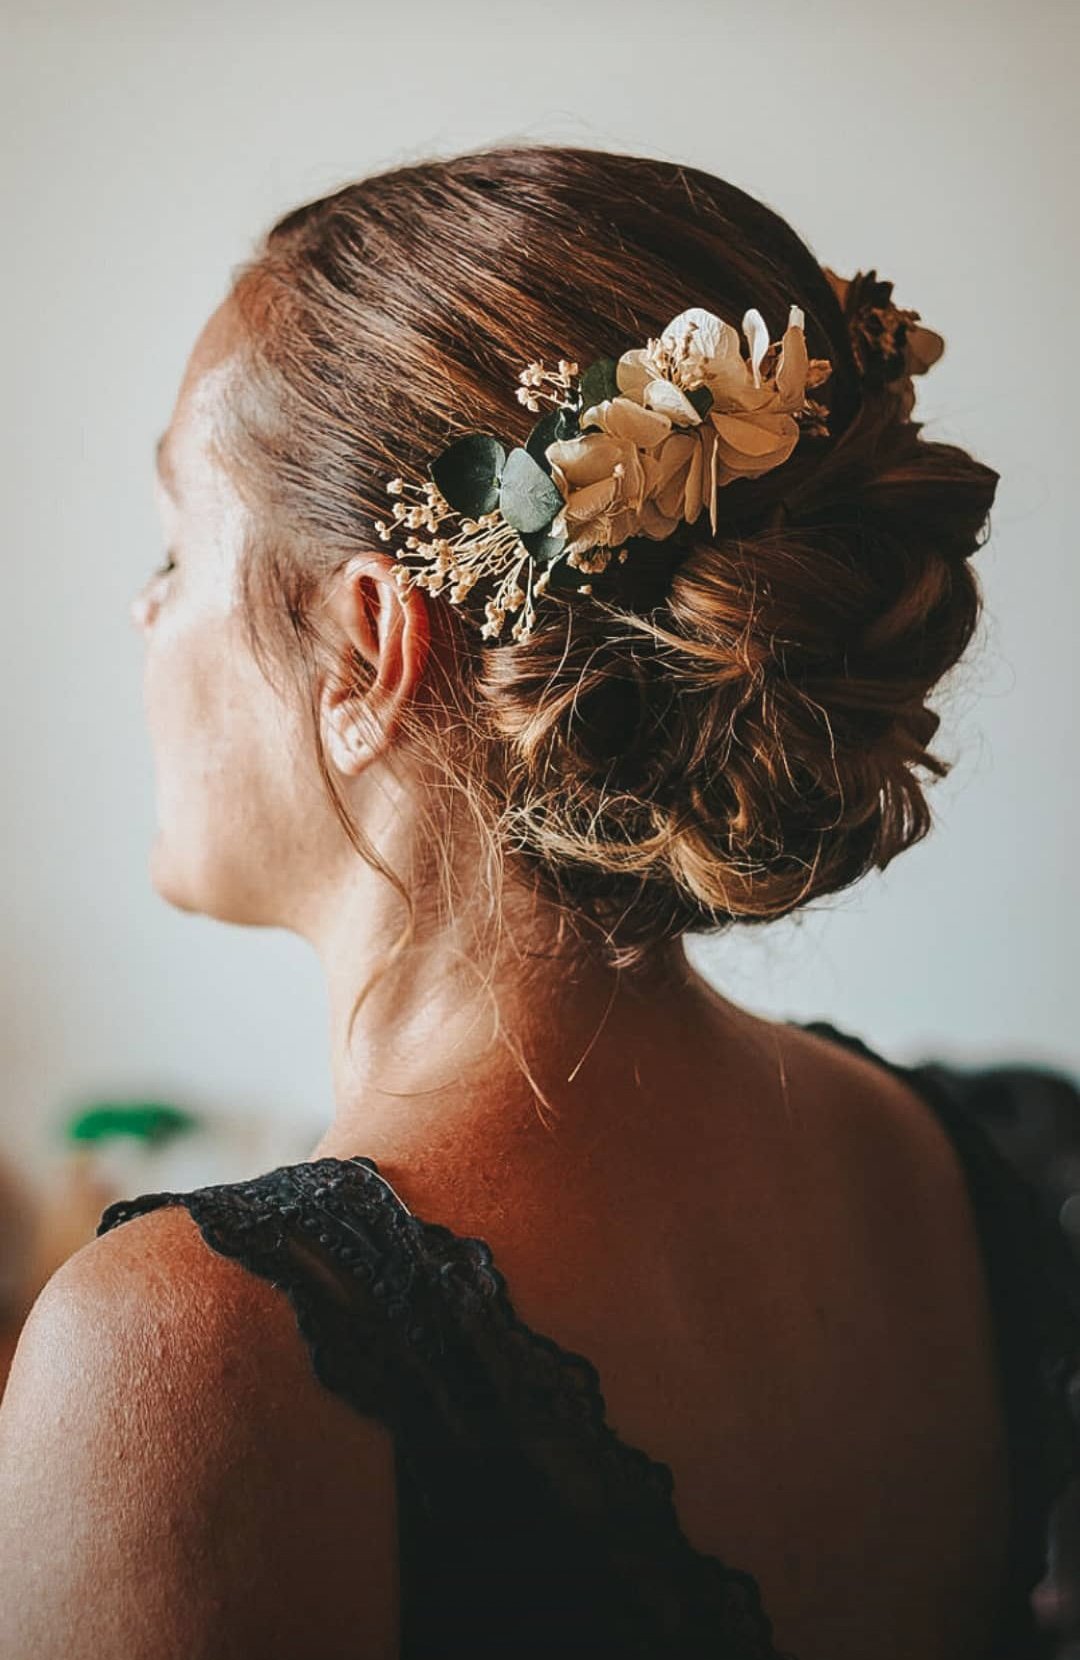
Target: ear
[(390, 630)]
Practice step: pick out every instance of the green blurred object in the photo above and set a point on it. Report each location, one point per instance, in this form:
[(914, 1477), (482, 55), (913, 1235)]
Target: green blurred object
[(153, 1121)]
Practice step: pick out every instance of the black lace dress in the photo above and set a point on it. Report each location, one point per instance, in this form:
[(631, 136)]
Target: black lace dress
[(527, 1527)]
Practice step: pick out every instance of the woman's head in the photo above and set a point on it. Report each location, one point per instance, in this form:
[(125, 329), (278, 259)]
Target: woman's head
[(724, 731)]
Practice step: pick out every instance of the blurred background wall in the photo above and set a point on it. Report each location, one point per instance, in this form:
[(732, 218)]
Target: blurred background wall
[(146, 145)]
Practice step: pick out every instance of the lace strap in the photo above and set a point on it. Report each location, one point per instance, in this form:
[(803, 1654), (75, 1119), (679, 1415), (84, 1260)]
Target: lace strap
[(415, 1324), (350, 1297)]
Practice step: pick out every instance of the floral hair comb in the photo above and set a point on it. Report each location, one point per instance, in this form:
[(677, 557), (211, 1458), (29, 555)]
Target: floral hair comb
[(628, 449)]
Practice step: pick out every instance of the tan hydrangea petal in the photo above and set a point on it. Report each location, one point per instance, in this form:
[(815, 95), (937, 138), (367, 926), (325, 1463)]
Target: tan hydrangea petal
[(922, 349), (754, 446), (727, 373), (793, 364), (591, 500), (602, 478), (713, 483), (665, 473), (694, 488), (585, 459), (633, 372), (654, 523), (605, 530), (632, 489), (626, 420), (622, 525)]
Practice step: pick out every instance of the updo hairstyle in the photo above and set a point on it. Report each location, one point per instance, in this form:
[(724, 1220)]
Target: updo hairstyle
[(724, 730)]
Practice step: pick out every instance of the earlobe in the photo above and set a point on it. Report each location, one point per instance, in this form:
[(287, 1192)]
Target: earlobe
[(389, 630), (348, 744)]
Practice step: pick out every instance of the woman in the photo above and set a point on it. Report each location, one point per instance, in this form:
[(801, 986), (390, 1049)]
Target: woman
[(606, 1317)]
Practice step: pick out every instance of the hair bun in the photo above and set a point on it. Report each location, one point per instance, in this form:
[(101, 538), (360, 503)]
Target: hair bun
[(738, 725)]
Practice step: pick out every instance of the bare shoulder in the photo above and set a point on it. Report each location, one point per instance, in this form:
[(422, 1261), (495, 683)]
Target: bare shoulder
[(174, 1479), (890, 1141), (883, 1114)]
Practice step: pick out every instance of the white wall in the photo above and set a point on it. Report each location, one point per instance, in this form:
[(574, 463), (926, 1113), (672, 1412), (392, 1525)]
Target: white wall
[(146, 145)]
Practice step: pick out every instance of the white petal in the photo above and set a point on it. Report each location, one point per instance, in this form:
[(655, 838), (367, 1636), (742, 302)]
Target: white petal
[(665, 396), (757, 333), (702, 328)]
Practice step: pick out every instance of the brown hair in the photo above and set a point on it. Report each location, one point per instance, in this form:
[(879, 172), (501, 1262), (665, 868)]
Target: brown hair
[(720, 733)]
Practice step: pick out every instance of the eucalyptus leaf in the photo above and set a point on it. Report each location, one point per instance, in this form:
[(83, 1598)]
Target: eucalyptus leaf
[(543, 546), (469, 472), (529, 498), (702, 400), (598, 382), (552, 428)]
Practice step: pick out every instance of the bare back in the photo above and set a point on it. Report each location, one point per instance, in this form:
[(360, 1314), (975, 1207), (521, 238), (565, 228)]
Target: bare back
[(778, 1281)]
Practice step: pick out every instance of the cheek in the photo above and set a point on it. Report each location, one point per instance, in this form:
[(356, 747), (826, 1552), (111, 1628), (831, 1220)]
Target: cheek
[(220, 744), (184, 684)]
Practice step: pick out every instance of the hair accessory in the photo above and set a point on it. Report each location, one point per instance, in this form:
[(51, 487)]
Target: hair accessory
[(889, 343), (632, 448)]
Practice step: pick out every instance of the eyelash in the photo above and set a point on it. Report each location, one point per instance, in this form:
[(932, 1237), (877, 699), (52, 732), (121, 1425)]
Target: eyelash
[(167, 567)]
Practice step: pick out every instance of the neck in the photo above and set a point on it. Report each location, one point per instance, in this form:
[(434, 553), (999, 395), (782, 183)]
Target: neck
[(443, 1042)]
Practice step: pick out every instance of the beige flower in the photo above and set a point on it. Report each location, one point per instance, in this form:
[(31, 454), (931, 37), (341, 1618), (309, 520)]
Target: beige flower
[(675, 478), (602, 473), (752, 418)]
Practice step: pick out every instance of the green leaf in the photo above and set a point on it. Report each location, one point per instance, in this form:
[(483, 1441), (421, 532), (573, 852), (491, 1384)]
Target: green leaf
[(598, 382), (468, 473), (702, 400), (552, 428), (529, 498), (543, 546)]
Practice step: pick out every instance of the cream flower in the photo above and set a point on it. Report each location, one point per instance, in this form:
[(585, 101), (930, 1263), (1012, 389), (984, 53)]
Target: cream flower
[(752, 418), (675, 477), (602, 473)]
